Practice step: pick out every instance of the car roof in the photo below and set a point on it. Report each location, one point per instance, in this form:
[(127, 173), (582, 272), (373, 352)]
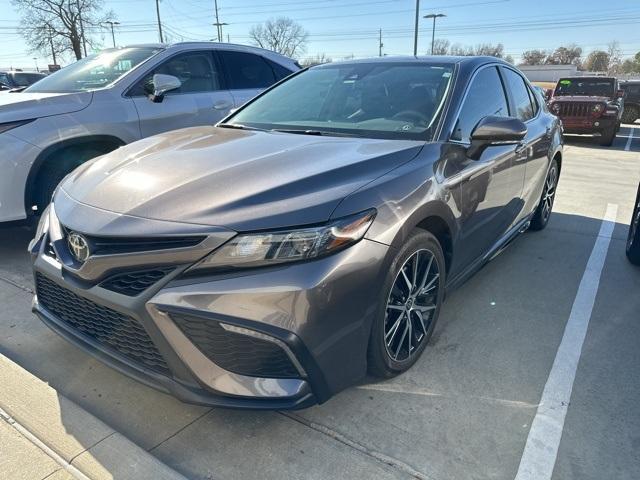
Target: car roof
[(472, 61)]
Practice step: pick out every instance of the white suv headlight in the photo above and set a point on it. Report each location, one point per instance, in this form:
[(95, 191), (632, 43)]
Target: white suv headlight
[(267, 248)]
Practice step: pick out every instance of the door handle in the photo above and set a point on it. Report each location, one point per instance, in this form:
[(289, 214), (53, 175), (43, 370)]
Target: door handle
[(222, 105), (522, 152)]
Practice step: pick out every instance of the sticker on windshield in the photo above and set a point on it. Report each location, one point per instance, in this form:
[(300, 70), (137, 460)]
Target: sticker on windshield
[(565, 82), (446, 74)]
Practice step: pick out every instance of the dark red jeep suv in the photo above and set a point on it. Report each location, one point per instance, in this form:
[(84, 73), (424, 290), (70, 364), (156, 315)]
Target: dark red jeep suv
[(589, 105)]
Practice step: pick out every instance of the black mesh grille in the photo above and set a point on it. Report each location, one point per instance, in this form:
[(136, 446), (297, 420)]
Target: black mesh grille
[(134, 283), (237, 352), (112, 329)]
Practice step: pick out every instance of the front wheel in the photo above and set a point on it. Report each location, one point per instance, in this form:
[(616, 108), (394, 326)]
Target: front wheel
[(409, 307), (633, 240), (608, 136)]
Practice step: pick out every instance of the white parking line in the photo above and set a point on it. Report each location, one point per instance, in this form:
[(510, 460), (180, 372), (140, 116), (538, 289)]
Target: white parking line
[(541, 449), (627, 147)]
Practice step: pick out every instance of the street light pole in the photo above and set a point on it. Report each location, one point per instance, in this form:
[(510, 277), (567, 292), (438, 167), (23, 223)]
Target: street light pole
[(35, 59), (433, 31), (380, 44), (415, 32), (113, 35), (159, 23)]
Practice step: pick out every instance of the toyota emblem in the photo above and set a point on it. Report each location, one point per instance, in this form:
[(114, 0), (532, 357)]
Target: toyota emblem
[(78, 246)]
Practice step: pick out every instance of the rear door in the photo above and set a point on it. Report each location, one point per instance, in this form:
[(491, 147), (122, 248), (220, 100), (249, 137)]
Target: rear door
[(532, 156), (492, 186), (201, 99), (249, 74)]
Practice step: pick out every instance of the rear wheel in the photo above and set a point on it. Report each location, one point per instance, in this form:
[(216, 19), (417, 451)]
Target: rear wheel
[(543, 212), (412, 296), (608, 136), (630, 114), (633, 241)]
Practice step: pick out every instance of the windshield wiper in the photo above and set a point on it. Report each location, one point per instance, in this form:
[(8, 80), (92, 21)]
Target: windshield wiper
[(319, 133), (239, 126), (18, 89)]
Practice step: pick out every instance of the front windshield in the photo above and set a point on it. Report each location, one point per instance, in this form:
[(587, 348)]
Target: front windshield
[(590, 87), (94, 71), (25, 79), (375, 100)]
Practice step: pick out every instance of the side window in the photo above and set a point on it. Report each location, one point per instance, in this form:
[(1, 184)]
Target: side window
[(279, 71), (520, 92), (195, 70), (4, 79), (246, 70), (485, 97), (534, 101)]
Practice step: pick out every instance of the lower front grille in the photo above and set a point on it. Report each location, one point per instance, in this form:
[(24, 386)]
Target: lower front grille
[(134, 283), (117, 332), (236, 352)]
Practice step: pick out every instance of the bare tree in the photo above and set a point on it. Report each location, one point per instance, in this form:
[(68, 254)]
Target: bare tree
[(317, 59), (490, 50), (534, 57), (597, 61), (569, 55), (61, 23), (615, 57), (282, 35), (461, 50), (441, 46)]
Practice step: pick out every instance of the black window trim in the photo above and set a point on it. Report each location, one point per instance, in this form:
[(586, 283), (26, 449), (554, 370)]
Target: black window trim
[(466, 93), (510, 95)]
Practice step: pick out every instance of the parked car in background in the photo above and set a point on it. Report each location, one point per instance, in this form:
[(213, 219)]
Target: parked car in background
[(633, 240), (589, 105), (270, 261), (14, 79), (631, 89), (113, 98)]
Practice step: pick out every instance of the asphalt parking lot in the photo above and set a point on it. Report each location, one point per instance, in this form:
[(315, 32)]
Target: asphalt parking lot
[(464, 411)]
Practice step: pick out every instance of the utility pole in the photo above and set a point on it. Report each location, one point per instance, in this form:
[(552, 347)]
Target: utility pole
[(159, 23), (415, 32), (218, 25), (53, 50), (380, 44), (35, 59), (113, 35), (84, 40), (433, 31)]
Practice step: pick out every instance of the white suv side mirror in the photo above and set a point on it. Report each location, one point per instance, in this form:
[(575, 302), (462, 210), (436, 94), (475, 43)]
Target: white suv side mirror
[(162, 84)]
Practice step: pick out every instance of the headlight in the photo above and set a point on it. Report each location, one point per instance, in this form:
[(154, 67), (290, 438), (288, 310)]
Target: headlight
[(555, 108), (9, 125), (597, 108), (269, 248), (41, 230)]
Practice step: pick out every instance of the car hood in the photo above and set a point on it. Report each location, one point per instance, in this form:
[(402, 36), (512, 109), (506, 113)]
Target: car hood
[(238, 179), (26, 105)]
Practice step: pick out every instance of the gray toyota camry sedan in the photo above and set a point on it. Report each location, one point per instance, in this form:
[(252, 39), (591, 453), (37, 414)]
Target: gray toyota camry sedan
[(275, 258)]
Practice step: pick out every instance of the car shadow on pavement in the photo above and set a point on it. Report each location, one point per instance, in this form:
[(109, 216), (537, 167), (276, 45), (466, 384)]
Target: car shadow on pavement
[(458, 413), (619, 143)]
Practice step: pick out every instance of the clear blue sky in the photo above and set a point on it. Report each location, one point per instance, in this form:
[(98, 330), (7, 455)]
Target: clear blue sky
[(340, 28)]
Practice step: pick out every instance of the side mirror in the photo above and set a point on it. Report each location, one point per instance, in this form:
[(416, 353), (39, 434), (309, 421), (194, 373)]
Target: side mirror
[(495, 131), (620, 94), (548, 93), (162, 84)]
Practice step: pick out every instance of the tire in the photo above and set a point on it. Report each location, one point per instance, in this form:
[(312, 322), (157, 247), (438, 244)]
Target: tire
[(542, 214), (630, 114), (608, 136), (58, 167), (633, 240), (426, 297)]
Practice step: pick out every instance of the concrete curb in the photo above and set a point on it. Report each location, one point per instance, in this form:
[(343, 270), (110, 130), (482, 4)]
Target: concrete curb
[(81, 443)]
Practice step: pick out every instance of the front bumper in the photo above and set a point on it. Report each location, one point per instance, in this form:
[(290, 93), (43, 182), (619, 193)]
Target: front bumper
[(588, 125), (318, 313)]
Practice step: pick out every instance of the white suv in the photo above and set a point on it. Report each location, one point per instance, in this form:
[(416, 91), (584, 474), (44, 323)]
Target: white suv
[(116, 97)]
